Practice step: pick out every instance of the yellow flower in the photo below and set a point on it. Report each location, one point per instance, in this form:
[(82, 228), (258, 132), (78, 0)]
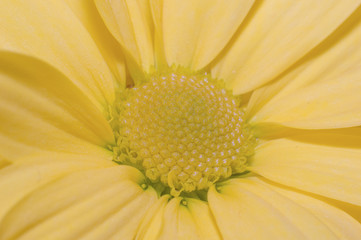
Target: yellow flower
[(186, 119)]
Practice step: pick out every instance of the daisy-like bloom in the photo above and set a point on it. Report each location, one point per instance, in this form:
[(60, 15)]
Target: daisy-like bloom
[(191, 119)]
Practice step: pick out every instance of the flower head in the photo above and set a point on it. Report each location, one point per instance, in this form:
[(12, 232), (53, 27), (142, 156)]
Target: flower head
[(180, 119)]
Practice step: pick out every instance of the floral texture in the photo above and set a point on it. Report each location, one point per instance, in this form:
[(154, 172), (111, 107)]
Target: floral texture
[(192, 119)]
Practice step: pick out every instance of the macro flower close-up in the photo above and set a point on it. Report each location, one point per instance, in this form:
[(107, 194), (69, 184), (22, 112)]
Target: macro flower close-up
[(180, 119)]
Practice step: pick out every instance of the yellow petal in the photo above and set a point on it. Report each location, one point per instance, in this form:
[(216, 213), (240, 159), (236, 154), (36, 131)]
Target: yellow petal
[(203, 219), (331, 171), (190, 221), (247, 209), (79, 203), (341, 224), (351, 209), (151, 224), (41, 109), (323, 91), (319, 136), (196, 31), (277, 34), (4, 163), (156, 7), (87, 13), (131, 24), (124, 223), (334, 103), (51, 32), (29, 173)]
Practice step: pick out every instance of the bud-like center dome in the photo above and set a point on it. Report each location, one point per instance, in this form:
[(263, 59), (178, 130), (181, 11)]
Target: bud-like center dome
[(185, 132)]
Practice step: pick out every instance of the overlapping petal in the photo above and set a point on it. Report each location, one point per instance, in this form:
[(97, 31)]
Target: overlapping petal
[(42, 110), (249, 209), (341, 224), (79, 202), (130, 22), (194, 32), (323, 91), (151, 224), (172, 219), (87, 13), (318, 167), (276, 35), (190, 221), (27, 174), (50, 31)]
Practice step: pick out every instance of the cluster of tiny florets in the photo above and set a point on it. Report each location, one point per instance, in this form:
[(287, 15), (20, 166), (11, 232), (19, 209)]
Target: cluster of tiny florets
[(185, 132)]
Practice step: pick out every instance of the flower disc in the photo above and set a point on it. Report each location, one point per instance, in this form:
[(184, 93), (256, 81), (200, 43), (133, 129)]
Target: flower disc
[(186, 132)]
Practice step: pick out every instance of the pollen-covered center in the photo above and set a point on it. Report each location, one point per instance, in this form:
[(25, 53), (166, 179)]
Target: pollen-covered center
[(183, 131)]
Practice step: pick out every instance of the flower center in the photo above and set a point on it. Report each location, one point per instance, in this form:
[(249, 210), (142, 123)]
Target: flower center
[(185, 132)]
